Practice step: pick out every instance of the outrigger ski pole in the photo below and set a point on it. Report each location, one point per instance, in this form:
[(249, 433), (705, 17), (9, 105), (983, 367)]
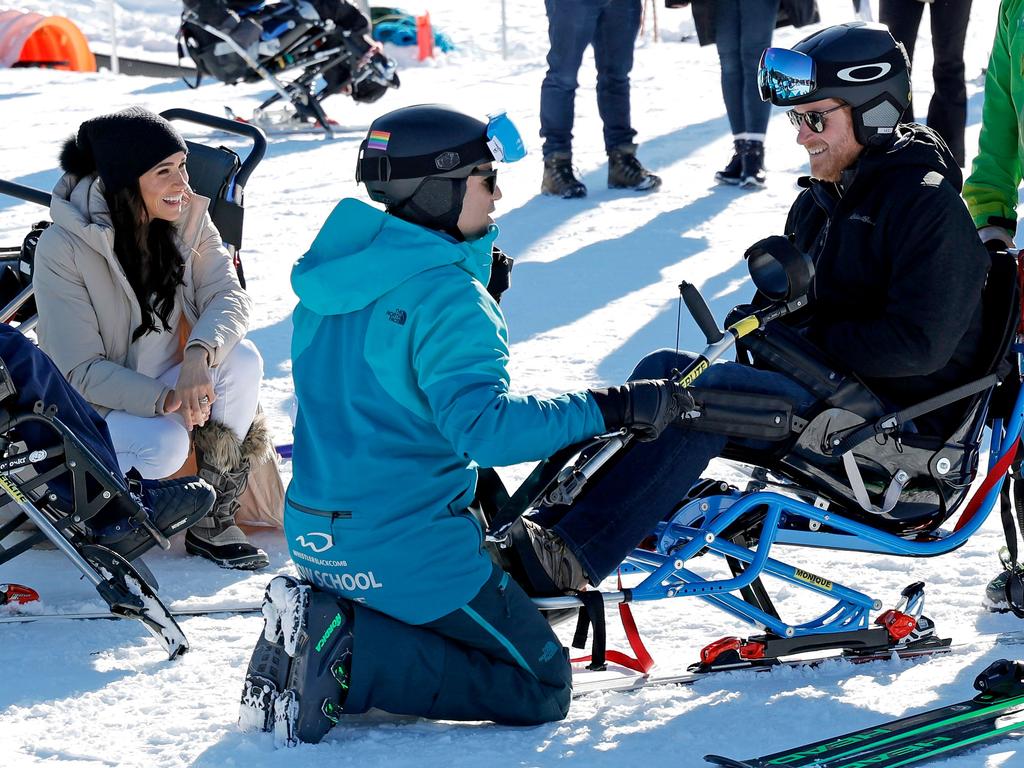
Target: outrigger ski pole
[(995, 713), (571, 480)]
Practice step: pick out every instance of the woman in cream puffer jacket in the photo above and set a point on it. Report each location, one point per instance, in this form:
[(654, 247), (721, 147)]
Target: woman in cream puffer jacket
[(141, 309)]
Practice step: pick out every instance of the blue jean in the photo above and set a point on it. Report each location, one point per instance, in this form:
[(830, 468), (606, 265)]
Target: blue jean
[(495, 658), (650, 478), (743, 29), (37, 378), (611, 26), (947, 111)]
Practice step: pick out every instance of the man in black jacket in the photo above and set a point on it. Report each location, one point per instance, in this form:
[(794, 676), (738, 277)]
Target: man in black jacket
[(896, 298), (899, 267)]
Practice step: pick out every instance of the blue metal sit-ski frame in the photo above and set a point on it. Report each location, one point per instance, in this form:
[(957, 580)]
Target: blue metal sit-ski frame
[(677, 542)]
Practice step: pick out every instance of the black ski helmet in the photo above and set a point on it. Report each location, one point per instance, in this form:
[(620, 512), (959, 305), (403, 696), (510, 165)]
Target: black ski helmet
[(858, 63), (415, 161)]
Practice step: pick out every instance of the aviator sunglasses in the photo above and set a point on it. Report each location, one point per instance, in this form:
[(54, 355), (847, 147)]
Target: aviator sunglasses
[(814, 120)]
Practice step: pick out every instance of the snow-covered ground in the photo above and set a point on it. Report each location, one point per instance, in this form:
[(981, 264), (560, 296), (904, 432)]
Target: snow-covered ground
[(594, 290)]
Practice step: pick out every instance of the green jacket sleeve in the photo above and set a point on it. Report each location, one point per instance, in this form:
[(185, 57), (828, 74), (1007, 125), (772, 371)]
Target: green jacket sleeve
[(991, 189)]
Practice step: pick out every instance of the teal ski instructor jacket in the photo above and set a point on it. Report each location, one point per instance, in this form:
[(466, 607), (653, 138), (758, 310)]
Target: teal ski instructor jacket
[(400, 360)]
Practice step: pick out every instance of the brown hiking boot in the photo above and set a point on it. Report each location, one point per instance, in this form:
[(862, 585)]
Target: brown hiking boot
[(555, 557)]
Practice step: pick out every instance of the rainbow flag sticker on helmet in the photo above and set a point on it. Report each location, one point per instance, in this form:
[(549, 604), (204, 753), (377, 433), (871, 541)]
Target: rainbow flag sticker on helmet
[(378, 140)]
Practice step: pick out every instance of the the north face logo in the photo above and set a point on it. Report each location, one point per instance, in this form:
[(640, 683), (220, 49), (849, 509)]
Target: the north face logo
[(548, 652), (861, 217), (397, 316)]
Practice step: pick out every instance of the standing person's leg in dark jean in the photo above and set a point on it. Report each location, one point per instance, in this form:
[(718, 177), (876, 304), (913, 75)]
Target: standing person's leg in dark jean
[(727, 41), (903, 18), (757, 23), (571, 28), (743, 29), (623, 507), (614, 39), (947, 111)]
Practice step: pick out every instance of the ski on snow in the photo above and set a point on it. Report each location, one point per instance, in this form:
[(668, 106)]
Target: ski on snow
[(176, 612), (995, 713), (619, 679)]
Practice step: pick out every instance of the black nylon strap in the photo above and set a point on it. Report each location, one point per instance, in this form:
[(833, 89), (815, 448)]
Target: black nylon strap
[(592, 615), (388, 167), (893, 421)]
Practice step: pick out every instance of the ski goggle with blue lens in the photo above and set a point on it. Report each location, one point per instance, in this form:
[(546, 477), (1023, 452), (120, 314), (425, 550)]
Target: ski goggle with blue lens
[(503, 139), (785, 76)]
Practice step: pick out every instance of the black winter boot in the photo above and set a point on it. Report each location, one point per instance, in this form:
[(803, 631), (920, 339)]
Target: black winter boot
[(752, 169), (626, 172), (172, 506), (224, 463), (732, 173), (559, 178)]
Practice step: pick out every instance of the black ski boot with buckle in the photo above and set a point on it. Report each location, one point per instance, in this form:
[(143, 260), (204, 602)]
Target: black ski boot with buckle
[(298, 677)]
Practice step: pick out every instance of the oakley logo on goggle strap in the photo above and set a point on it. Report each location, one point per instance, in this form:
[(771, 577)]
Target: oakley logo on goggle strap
[(858, 74)]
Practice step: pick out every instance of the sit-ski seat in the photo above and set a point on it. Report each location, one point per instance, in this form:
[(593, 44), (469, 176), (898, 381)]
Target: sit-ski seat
[(868, 462), (294, 39)]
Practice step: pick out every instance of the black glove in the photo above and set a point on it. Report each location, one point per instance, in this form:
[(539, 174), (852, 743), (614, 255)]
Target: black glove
[(645, 406), (501, 273)]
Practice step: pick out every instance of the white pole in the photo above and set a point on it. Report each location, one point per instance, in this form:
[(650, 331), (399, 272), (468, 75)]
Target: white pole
[(504, 38), (114, 66), (865, 11)]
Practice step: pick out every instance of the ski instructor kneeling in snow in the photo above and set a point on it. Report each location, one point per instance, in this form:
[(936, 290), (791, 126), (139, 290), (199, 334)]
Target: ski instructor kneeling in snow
[(400, 356)]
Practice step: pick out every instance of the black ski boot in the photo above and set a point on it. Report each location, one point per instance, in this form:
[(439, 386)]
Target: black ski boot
[(267, 675), (559, 178), (223, 461), (626, 172), (732, 173), (752, 166), (171, 506), (298, 677), (1006, 590)]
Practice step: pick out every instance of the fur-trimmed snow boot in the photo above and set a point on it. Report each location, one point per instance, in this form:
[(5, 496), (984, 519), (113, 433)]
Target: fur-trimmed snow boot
[(224, 463)]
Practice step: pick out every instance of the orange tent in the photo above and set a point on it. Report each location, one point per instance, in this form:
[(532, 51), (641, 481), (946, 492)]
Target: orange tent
[(27, 38)]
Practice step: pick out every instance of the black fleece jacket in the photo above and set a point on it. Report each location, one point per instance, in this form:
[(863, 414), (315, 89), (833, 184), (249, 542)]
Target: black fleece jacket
[(899, 269)]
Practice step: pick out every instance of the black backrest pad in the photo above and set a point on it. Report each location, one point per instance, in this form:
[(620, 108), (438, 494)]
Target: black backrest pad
[(211, 171), (1001, 315)]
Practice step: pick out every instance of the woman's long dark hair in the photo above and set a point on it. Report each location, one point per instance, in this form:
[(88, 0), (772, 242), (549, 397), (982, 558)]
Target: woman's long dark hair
[(149, 257)]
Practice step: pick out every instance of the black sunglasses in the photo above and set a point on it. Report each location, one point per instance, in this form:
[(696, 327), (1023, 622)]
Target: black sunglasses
[(814, 120), (489, 176)]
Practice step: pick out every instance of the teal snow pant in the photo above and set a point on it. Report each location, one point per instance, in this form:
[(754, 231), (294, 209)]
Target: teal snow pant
[(494, 658)]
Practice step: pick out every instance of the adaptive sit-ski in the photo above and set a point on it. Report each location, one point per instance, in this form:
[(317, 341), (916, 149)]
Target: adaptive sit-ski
[(851, 476)]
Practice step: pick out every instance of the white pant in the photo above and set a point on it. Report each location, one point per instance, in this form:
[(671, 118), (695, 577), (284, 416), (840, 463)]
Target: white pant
[(157, 446)]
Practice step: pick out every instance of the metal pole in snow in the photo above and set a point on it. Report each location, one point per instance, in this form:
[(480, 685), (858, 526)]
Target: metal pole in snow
[(114, 66), (504, 38)]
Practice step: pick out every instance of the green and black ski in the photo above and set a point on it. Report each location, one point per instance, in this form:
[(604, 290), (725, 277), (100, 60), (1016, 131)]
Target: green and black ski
[(995, 713)]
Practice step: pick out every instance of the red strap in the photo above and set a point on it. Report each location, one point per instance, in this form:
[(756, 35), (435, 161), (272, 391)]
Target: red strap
[(641, 661), (995, 475)]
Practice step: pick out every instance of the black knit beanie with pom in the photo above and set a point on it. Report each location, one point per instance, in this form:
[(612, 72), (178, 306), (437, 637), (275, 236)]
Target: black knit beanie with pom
[(120, 147)]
